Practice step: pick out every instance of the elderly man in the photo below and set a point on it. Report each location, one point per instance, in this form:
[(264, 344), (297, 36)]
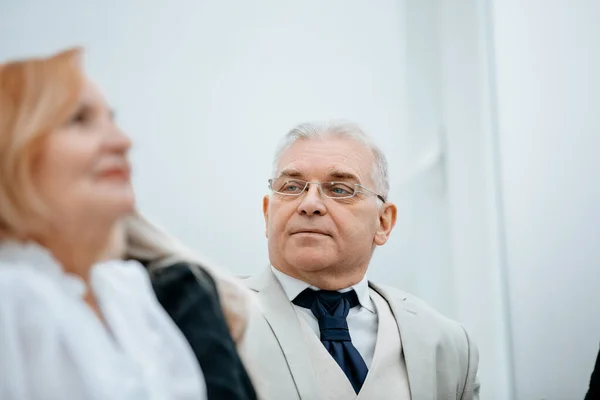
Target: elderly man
[(324, 330)]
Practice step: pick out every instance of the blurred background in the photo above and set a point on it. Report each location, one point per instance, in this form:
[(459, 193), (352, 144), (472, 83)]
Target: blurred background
[(488, 111)]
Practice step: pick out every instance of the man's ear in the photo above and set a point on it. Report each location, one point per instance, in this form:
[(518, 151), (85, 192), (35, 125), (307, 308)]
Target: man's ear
[(387, 221), (266, 214)]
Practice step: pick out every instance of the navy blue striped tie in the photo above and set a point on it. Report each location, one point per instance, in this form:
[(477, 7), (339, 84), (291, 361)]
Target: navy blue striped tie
[(331, 310)]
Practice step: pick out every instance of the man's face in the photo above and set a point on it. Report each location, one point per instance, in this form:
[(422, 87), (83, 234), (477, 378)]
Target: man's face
[(311, 235)]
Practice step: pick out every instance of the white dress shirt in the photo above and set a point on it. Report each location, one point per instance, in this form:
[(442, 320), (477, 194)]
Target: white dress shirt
[(362, 320), (53, 346)]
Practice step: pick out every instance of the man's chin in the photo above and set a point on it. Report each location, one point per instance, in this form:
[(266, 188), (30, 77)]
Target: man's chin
[(312, 260)]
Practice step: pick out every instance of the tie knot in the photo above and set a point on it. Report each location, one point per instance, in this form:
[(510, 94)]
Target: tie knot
[(328, 298)]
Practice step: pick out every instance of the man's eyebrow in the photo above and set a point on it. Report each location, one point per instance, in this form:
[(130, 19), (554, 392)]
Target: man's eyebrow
[(335, 174), (338, 174), (290, 173)]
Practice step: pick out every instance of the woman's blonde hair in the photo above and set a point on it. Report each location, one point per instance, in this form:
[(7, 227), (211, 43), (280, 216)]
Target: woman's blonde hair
[(138, 238), (37, 96)]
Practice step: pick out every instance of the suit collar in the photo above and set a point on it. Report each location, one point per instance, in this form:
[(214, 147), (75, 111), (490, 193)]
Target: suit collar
[(418, 348), (281, 317), (259, 281)]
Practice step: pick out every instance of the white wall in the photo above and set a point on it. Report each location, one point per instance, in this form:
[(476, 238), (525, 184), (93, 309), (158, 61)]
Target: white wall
[(206, 88), (548, 84), (468, 114)]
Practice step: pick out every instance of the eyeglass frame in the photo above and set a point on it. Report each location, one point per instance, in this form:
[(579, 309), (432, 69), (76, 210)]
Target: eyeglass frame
[(356, 190)]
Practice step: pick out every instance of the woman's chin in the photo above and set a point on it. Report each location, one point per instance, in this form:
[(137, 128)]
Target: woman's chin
[(117, 206), (127, 206)]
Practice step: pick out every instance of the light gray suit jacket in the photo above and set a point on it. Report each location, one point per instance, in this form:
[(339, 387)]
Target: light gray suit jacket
[(441, 360)]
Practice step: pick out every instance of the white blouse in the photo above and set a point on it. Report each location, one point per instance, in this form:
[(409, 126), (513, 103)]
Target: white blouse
[(53, 346)]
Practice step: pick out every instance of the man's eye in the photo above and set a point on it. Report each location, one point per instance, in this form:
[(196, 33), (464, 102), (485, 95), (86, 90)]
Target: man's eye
[(341, 189), (292, 187)]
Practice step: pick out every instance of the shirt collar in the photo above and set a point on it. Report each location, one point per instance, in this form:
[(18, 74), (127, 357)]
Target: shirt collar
[(293, 287), (35, 257)]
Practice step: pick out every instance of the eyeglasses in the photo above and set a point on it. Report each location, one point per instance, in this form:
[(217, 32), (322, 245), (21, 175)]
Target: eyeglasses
[(332, 190)]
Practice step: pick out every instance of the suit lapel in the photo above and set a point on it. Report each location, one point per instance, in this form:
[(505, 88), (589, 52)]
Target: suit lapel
[(281, 317), (417, 346)]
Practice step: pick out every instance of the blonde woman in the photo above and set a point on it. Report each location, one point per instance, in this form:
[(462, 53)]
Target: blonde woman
[(69, 328), (209, 307)]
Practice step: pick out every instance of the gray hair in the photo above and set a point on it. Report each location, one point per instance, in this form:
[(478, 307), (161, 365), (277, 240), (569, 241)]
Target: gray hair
[(345, 129)]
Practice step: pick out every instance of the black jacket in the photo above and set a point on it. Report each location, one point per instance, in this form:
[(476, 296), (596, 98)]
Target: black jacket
[(194, 306), (594, 390)]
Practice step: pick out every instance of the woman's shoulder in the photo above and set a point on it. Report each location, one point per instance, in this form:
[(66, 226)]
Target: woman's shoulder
[(181, 286), (37, 308), (30, 271), (28, 290), (19, 276), (183, 274), (188, 294), (20, 287)]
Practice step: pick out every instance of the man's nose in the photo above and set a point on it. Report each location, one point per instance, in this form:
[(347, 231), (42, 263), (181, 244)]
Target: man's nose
[(312, 201)]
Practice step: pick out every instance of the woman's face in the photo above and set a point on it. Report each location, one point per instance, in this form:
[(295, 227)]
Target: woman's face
[(83, 170)]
